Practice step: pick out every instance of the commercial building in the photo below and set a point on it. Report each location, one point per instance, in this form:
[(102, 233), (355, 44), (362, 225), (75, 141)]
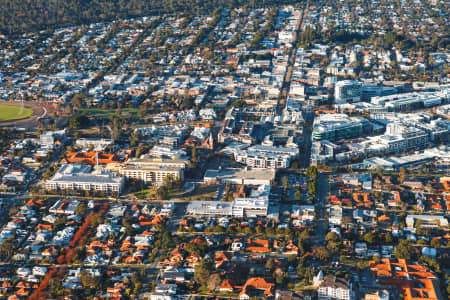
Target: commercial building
[(256, 204), (409, 101), (346, 91), (427, 221), (48, 138), (167, 152), (395, 163), (240, 176), (262, 160), (400, 138), (96, 144), (369, 91), (269, 157), (334, 127), (81, 177), (153, 170)]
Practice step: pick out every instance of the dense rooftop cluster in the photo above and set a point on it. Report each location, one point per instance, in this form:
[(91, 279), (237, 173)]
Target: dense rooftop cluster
[(252, 152)]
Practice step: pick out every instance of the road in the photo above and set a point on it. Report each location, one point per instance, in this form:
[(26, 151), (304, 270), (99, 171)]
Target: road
[(291, 60), (322, 196), (305, 153)]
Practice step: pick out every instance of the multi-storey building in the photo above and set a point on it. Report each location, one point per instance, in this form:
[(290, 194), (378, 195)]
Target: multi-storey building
[(80, 177), (334, 127), (400, 138), (256, 204), (347, 91), (335, 288), (153, 171), (269, 157)]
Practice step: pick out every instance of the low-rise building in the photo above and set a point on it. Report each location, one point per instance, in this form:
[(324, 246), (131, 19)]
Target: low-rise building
[(256, 204), (335, 288), (81, 177), (153, 170)]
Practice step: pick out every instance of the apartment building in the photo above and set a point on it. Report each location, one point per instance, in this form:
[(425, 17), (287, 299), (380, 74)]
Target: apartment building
[(151, 174), (400, 138), (267, 157), (81, 177), (335, 288)]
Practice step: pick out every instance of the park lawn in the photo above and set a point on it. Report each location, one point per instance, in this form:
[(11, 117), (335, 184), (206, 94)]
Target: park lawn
[(146, 193), (10, 112), (150, 193), (108, 113)]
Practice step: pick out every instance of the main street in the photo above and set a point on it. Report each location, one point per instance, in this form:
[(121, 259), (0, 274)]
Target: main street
[(322, 195), (291, 61)]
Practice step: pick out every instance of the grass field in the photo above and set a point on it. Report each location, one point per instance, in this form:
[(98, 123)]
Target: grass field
[(10, 112)]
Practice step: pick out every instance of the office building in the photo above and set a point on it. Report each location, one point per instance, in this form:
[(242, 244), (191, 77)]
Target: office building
[(334, 127), (347, 91)]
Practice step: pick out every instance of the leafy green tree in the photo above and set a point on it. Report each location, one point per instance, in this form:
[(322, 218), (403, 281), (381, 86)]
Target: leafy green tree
[(78, 122), (214, 281), (369, 238), (332, 236), (203, 271), (87, 280), (435, 243), (285, 182), (405, 250), (270, 264), (388, 238), (298, 195)]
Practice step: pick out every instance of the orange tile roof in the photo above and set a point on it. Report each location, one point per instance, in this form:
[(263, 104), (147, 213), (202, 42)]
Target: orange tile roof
[(257, 245), (415, 281), (227, 284), (90, 158), (257, 283)]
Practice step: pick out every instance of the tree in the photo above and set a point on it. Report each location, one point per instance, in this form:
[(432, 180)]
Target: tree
[(214, 281), (321, 253), (81, 210), (166, 239), (8, 246), (388, 238), (203, 271), (402, 175), (78, 121), (161, 193), (431, 262), (369, 238), (312, 172), (298, 195), (135, 138), (435, 243), (78, 100), (87, 280), (301, 247), (379, 172), (332, 236), (404, 249), (285, 182), (270, 264)]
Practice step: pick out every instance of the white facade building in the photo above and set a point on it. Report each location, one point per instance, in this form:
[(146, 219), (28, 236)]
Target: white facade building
[(256, 204), (80, 177), (346, 91)]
